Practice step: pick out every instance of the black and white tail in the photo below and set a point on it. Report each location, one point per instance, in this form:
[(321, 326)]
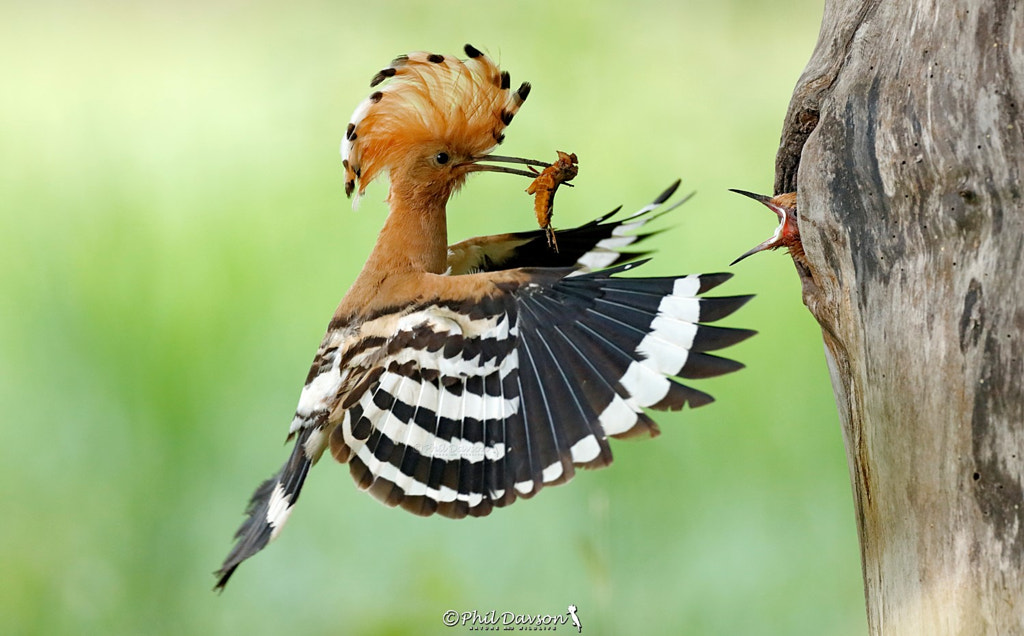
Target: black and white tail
[(269, 508)]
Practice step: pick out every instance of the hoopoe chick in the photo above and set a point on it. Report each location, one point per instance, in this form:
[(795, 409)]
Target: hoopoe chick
[(456, 379), (787, 234)]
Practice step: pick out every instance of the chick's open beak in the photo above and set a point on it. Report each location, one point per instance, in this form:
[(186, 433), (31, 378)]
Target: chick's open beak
[(786, 232)]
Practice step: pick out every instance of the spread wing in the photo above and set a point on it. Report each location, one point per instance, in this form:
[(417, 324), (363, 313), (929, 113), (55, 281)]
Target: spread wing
[(461, 404), (465, 406), (593, 246)]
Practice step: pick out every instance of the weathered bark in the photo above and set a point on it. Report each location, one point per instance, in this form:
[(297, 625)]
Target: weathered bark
[(904, 137)]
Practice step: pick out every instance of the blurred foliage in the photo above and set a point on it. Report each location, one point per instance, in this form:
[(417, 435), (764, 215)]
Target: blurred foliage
[(174, 237)]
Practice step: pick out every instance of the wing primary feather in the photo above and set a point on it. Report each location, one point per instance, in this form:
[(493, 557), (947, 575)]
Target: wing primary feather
[(579, 422), (269, 508), (606, 369), (713, 309), (543, 438), (558, 420), (606, 361), (530, 415), (704, 365), (711, 338)]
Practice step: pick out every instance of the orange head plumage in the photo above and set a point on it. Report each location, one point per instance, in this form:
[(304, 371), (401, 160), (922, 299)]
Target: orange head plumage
[(434, 118)]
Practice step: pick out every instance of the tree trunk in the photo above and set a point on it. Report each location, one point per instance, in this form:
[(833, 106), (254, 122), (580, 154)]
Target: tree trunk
[(904, 137)]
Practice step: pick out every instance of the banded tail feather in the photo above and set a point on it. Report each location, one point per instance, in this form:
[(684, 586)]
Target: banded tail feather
[(272, 503)]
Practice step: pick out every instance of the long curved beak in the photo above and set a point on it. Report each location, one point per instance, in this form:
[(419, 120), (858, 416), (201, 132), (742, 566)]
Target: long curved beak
[(476, 166)]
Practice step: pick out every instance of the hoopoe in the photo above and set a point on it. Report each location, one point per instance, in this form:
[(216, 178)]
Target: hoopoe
[(787, 234), (453, 380)]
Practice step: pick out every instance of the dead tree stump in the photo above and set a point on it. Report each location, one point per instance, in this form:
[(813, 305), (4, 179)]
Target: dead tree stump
[(904, 140)]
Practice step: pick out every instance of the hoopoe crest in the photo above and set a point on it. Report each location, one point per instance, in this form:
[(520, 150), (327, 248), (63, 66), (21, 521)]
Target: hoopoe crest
[(454, 379), (459, 106)]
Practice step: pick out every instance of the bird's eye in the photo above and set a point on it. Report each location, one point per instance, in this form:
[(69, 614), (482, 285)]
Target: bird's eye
[(441, 158)]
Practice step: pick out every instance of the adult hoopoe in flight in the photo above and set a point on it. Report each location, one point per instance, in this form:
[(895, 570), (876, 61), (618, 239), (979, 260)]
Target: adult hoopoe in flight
[(453, 379)]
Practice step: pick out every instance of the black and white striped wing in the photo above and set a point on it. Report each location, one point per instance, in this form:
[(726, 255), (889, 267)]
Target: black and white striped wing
[(469, 406)]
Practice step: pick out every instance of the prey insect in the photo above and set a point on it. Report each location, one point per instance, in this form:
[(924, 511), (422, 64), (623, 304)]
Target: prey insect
[(564, 169)]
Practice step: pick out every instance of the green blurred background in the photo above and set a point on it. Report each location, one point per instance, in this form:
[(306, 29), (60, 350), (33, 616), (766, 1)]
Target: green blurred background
[(174, 237)]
